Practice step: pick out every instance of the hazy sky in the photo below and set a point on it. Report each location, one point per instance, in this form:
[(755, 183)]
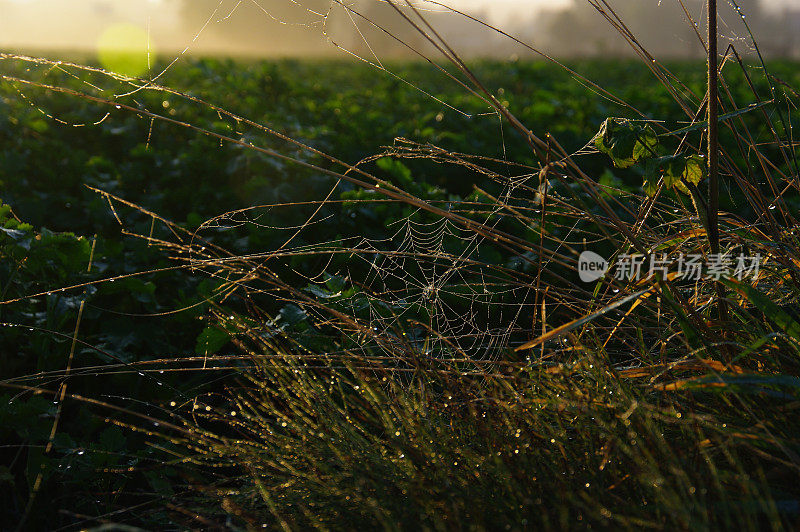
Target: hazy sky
[(80, 24)]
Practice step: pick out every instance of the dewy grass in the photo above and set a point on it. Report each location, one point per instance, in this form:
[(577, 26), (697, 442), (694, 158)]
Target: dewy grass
[(441, 366)]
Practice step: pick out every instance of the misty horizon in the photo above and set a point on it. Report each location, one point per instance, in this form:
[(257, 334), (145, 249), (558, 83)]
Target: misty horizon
[(278, 28)]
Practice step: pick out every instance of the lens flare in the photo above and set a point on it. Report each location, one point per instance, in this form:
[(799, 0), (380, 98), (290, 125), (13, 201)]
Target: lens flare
[(125, 49)]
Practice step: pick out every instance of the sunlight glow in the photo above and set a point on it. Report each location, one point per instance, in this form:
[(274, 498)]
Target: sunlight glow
[(125, 49)]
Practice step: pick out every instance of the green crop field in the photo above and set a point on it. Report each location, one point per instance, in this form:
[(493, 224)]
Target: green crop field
[(298, 294)]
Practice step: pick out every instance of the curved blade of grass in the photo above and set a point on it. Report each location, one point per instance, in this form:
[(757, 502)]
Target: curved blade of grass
[(751, 383), (763, 303), (727, 116), (692, 337), (586, 319)]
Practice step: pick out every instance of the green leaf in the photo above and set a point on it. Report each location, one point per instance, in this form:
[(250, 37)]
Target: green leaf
[(676, 171), (292, 314), (626, 143), (650, 187), (211, 340), (318, 291), (335, 283), (5, 476), (695, 169), (112, 439), (395, 168)]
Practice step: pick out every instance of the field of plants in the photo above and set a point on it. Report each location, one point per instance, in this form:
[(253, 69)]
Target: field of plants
[(296, 294)]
